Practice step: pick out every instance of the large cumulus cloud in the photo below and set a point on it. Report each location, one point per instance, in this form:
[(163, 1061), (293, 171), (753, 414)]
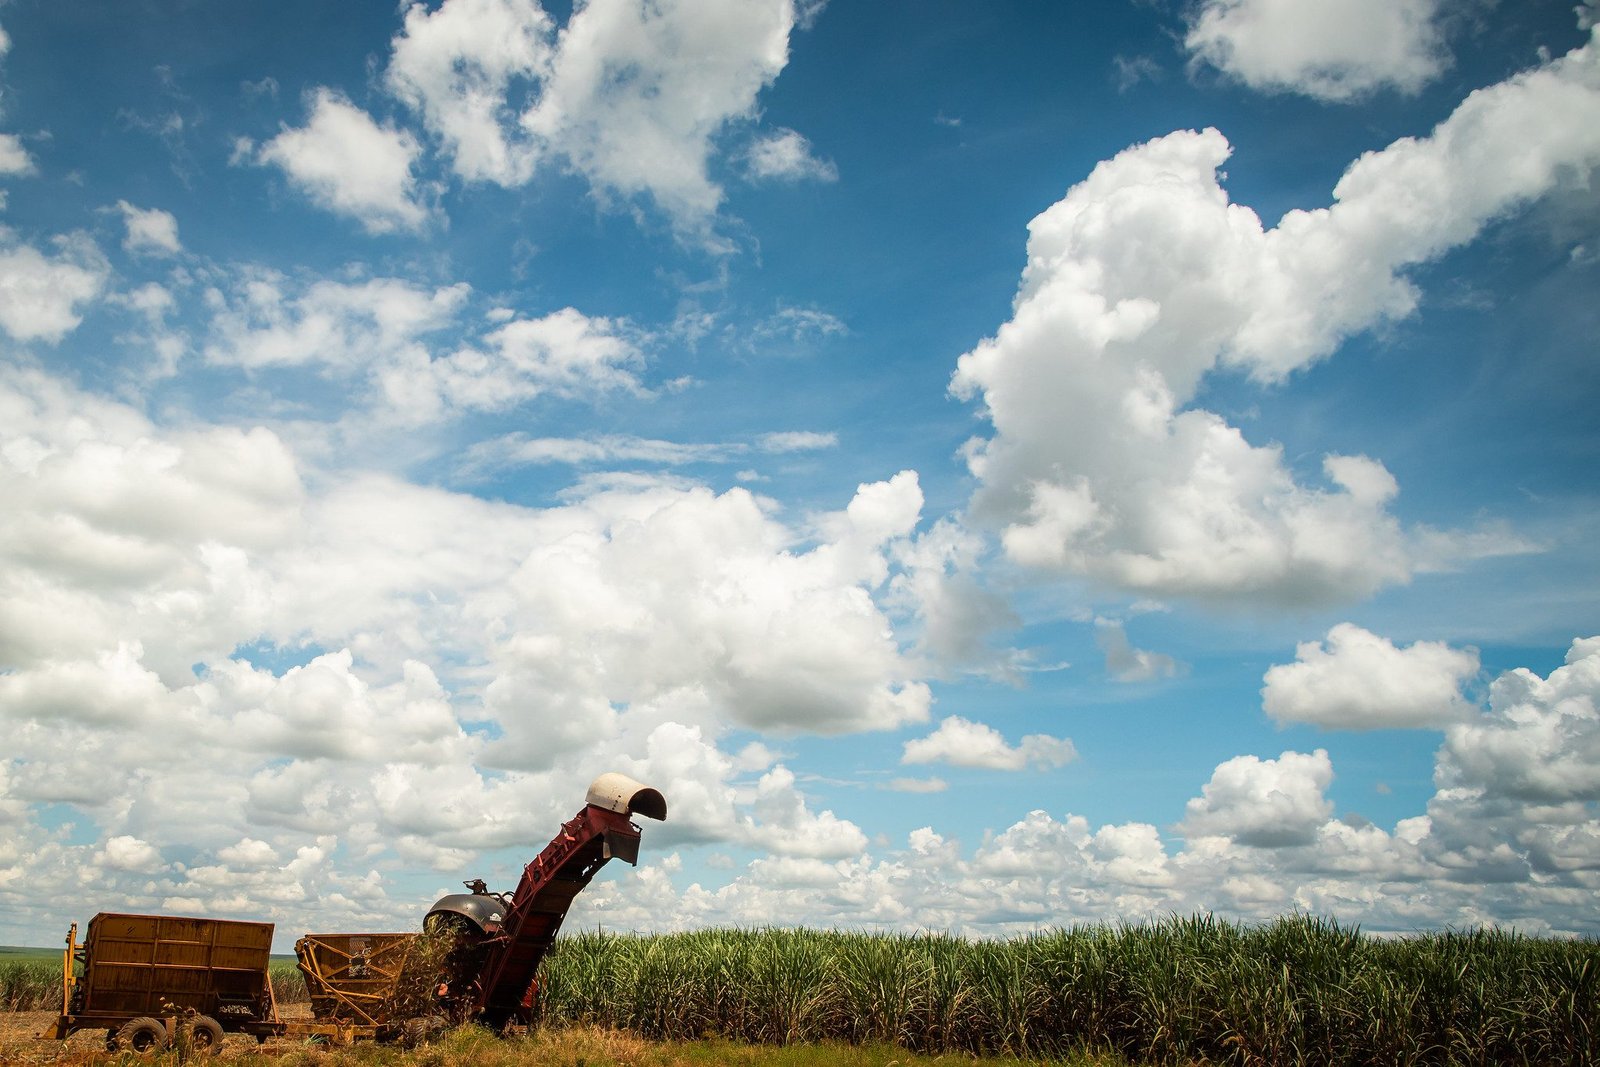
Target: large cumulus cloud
[(1144, 279), (631, 95), (222, 657), (1359, 680)]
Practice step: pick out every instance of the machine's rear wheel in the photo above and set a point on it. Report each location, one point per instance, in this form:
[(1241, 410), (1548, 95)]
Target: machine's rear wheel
[(205, 1035), (142, 1037), (422, 1029)]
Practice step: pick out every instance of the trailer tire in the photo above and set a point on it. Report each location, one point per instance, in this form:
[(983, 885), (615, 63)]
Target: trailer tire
[(142, 1037), (205, 1035)]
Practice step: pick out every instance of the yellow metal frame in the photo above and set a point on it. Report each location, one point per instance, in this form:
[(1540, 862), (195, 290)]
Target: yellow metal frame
[(69, 980), (366, 1007)]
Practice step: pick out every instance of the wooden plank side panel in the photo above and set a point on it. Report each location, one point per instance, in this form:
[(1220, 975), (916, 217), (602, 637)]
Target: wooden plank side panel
[(155, 964), (191, 954)]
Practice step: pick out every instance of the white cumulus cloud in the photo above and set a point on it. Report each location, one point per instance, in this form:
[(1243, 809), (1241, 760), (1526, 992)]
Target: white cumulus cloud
[(1328, 49), (1267, 803), (1356, 680), (785, 155), (631, 95), (565, 352), (1540, 742), (1144, 279), (964, 743), (14, 158), (267, 320), (790, 828), (149, 229), (42, 296), (347, 163), (456, 65), (128, 853)]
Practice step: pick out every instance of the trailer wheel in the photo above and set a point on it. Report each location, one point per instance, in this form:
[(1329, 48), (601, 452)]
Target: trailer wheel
[(143, 1036), (205, 1035)]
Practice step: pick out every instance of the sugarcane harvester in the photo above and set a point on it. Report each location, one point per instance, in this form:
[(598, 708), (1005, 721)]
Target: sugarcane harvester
[(497, 940), (506, 935)]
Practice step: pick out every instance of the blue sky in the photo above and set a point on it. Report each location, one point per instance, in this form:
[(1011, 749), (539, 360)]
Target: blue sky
[(990, 466)]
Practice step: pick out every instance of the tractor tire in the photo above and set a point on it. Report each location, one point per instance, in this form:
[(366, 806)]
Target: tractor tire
[(205, 1035), (422, 1030), (142, 1037)]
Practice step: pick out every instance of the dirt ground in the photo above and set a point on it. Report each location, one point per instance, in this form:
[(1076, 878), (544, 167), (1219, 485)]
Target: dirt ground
[(19, 1043)]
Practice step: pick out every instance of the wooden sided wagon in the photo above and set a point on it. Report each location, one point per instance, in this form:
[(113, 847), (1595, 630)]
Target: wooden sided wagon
[(143, 977)]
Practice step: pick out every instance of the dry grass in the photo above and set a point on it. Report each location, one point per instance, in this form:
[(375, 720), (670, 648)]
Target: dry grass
[(473, 1047)]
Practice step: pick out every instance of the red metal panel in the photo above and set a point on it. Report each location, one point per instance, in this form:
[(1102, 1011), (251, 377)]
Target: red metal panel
[(541, 901)]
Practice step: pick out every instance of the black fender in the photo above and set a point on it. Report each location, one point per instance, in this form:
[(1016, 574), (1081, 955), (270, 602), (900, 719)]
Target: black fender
[(483, 910)]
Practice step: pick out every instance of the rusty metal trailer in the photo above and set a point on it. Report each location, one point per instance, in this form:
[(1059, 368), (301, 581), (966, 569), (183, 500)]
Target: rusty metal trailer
[(144, 976), (351, 979), (350, 976)]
